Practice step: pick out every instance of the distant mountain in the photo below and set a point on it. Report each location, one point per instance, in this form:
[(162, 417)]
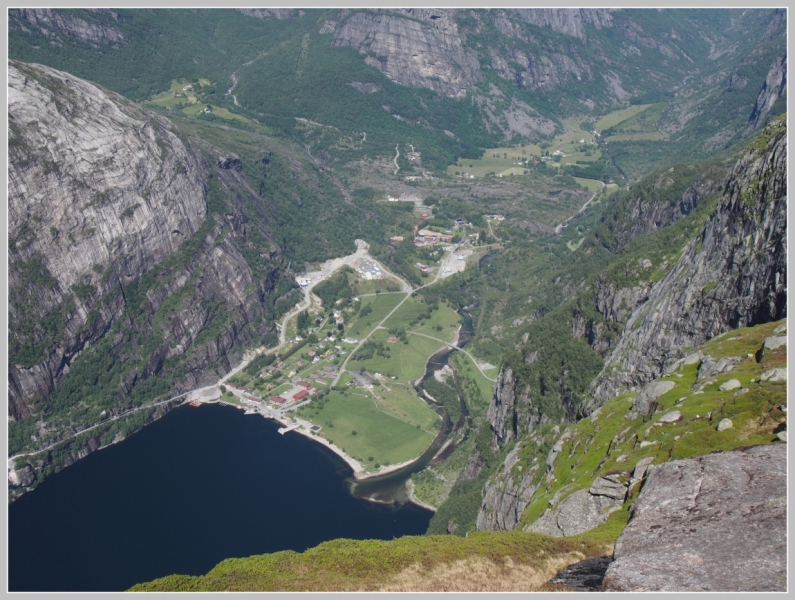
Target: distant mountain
[(495, 76)]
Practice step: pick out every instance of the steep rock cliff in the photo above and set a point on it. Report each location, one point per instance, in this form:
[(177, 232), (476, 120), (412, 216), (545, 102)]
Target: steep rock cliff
[(56, 23), (773, 89), (93, 182), (733, 274), (424, 50), (118, 275)]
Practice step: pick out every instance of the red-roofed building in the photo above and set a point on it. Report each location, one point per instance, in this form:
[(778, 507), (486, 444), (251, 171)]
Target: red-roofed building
[(305, 385), (392, 339), (277, 399), (301, 395)]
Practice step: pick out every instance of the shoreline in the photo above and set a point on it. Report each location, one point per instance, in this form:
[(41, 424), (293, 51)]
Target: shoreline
[(412, 498), (359, 473)]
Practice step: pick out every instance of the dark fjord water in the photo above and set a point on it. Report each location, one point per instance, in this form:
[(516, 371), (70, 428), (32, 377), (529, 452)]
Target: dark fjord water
[(196, 487)]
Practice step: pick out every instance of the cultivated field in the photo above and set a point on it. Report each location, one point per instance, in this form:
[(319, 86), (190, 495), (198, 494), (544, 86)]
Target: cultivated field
[(354, 422)]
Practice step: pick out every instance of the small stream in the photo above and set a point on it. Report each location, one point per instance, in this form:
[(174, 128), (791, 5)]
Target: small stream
[(390, 488)]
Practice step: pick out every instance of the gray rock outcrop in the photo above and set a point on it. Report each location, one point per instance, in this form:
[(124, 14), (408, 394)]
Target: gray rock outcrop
[(646, 401), (54, 22), (507, 495), (712, 523), (102, 193), (582, 510), (733, 274), (771, 343), (422, 51)]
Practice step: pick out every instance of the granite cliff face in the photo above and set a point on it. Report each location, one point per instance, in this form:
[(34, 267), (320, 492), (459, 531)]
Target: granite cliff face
[(111, 245), (56, 23), (733, 274), (713, 523), (603, 306), (424, 50), (774, 88), (99, 192)]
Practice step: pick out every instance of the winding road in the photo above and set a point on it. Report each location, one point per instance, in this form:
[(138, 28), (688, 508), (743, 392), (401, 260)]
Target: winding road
[(397, 155), (584, 206)]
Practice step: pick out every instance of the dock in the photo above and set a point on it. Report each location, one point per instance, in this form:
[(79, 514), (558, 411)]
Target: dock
[(284, 430)]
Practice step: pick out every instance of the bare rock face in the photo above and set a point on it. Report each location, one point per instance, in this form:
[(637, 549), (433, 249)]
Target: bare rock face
[(775, 87), (270, 13), (54, 22), (713, 523), (423, 51), (93, 181), (506, 496), (110, 243), (568, 21), (733, 274)]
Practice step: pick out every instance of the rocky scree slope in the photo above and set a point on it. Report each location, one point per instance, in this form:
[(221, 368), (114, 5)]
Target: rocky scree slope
[(112, 254)]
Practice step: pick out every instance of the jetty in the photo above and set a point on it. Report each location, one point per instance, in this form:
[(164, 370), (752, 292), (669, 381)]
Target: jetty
[(284, 430)]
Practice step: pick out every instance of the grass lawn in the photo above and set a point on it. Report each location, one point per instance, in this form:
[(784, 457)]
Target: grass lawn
[(378, 433), (477, 389), (381, 305), (412, 308), (495, 160), (592, 185), (632, 137), (618, 116), (406, 361), (513, 171), (401, 400), (371, 286), (504, 161)]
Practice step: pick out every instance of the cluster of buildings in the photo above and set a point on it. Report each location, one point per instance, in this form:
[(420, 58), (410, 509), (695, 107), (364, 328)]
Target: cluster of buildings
[(406, 197), (426, 238), (296, 394)]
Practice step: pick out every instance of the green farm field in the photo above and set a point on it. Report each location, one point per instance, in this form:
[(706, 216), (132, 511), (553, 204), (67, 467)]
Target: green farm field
[(592, 185), (401, 401), (381, 304), (619, 116), (633, 137), (406, 362), (379, 434), (442, 323)]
